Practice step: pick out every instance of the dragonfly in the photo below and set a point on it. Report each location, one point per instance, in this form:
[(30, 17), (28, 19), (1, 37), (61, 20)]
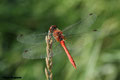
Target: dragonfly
[(35, 43)]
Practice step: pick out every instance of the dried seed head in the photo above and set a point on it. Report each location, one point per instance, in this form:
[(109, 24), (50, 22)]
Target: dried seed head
[(46, 73)]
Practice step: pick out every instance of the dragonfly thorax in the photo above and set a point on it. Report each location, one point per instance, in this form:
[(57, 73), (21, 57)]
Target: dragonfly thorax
[(58, 35)]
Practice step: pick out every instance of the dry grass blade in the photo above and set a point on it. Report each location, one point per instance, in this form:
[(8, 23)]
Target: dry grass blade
[(48, 69)]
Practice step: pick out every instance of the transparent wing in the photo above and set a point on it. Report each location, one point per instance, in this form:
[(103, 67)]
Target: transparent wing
[(34, 38), (39, 51), (75, 43), (82, 26), (35, 45), (75, 35)]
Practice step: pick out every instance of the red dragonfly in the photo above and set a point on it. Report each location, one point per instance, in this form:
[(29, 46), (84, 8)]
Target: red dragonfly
[(36, 42)]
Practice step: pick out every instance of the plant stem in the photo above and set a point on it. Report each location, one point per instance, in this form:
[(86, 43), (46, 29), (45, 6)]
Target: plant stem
[(48, 68)]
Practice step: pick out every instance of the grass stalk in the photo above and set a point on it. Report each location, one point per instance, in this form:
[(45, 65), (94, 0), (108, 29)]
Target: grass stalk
[(48, 68)]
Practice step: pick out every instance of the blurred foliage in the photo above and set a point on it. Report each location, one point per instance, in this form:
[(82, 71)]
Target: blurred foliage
[(99, 59)]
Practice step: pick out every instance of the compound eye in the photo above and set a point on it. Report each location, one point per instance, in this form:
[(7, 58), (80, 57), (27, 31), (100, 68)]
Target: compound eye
[(54, 27)]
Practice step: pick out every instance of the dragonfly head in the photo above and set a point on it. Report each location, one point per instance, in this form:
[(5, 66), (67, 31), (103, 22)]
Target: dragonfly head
[(52, 28)]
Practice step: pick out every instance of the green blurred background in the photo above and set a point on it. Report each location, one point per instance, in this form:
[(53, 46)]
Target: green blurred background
[(99, 59)]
